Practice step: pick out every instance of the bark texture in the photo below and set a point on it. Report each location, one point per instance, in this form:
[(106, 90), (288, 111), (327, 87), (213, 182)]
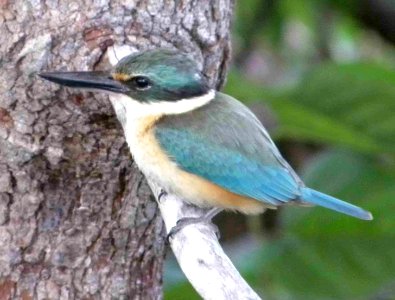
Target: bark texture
[(77, 220)]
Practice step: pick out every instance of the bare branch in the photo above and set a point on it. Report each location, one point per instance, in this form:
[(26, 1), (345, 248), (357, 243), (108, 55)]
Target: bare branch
[(199, 254)]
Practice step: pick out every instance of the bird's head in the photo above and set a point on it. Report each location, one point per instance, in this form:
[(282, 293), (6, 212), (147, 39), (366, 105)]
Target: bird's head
[(152, 76)]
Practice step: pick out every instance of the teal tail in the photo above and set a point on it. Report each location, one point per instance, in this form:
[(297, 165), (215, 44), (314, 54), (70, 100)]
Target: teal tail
[(321, 199)]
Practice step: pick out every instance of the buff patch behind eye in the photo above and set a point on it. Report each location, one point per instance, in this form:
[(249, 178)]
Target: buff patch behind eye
[(121, 76)]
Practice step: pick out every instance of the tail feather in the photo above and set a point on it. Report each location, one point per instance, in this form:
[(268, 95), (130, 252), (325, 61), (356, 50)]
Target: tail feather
[(321, 199)]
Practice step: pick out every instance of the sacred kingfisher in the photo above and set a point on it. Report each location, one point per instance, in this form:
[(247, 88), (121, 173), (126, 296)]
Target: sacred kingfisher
[(197, 143)]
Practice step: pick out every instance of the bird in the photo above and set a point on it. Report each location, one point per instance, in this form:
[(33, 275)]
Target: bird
[(196, 142)]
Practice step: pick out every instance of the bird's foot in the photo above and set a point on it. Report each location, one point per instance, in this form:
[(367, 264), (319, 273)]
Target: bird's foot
[(206, 219), (181, 223)]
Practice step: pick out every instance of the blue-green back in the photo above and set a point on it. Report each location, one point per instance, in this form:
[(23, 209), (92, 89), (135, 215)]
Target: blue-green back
[(224, 143)]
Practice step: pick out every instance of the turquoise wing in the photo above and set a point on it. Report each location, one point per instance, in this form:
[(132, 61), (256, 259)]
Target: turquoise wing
[(224, 143)]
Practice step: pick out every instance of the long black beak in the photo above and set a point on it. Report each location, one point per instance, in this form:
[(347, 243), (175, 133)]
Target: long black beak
[(86, 80)]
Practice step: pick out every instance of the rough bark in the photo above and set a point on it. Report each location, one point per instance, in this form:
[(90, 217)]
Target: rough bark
[(77, 219)]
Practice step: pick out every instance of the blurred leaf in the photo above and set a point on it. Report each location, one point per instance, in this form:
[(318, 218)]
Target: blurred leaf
[(331, 256), (248, 15), (357, 101), (301, 122), (294, 10), (245, 90), (350, 105), (255, 20)]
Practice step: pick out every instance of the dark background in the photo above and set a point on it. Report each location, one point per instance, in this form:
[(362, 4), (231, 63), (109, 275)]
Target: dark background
[(320, 75)]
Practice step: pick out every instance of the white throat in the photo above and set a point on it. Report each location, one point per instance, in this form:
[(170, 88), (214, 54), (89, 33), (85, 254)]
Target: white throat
[(128, 108)]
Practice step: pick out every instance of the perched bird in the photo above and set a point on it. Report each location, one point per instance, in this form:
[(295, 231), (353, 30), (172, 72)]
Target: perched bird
[(195, 142)]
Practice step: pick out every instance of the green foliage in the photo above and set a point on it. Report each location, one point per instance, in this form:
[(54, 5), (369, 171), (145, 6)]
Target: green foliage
[(356, 101), (349, 105), (329, 254)]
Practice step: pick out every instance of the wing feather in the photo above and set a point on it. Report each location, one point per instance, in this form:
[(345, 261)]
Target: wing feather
[(224, 143)]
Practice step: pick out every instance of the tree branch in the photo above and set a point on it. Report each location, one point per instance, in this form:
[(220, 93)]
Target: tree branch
[(199, 254), (196, 246)]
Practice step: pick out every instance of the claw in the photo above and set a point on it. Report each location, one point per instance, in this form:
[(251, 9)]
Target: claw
[(181, 223), (161, 194), (206, 219)]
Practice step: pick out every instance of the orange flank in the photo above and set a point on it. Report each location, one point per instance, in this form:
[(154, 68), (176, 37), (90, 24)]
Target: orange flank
[(156, 164)]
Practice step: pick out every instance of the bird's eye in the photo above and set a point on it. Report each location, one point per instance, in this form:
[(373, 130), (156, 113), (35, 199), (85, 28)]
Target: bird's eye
[(141, 82)]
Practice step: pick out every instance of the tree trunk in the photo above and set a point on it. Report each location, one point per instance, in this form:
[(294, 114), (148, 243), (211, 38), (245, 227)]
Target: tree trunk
[(77, 220)]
